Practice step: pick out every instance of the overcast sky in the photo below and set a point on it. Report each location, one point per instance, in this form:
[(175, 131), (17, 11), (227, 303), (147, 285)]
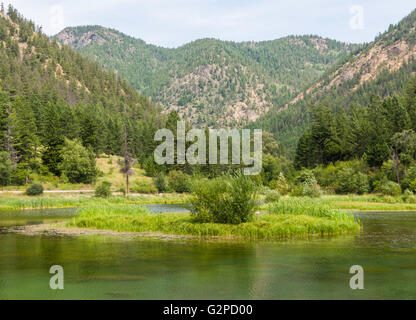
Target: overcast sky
[(171, 23)]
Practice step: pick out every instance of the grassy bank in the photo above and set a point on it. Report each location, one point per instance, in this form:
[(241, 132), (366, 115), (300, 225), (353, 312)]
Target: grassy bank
[(129, 218), (370, 202), (357, 203), (348, 202), (73, 201)]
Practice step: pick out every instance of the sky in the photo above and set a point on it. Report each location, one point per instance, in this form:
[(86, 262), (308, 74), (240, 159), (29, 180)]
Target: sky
[(171, 23)]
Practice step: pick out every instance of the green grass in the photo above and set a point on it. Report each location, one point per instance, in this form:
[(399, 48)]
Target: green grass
[(371, 202), (307, 206), (130, 218), (23, 203), (358, 203), (347, 202), (73, 201)]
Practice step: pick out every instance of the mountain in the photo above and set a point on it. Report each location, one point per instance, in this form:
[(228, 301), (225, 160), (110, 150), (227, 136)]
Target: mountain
[(210, 81), (49, 92), (383, 67)]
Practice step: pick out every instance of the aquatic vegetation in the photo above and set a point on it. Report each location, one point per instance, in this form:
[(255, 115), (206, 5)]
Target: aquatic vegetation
[(307, 206), (45, 202), (311, 207), (226, 199), (130, 218), (21, 203)]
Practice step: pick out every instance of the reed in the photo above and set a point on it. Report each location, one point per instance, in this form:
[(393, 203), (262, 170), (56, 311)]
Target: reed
[(73, 201), (130, 218)]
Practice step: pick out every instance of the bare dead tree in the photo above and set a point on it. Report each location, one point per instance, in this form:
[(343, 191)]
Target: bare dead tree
[(129, 162)]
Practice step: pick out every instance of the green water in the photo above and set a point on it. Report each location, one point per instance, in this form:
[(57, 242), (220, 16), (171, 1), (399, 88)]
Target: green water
[(113, 267)]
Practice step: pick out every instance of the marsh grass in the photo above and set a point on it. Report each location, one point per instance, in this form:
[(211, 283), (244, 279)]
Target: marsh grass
[(372, 202), (304, 206), (45, 202), (130, 218), (316, 208), (348, 202), (23, 203)]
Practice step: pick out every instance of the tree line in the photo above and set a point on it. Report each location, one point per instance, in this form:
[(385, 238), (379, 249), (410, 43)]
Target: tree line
[(52, 97)]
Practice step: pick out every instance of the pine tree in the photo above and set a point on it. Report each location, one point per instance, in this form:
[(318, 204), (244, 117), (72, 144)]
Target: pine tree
[(304, 152), (25, 135), (53, 139)]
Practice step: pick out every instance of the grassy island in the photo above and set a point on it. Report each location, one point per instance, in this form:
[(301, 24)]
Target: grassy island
[(298, 221)]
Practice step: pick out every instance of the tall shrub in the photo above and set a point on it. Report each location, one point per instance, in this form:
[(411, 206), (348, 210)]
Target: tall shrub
[(78, 164), (103, 190), (179, 181), (226, 199)]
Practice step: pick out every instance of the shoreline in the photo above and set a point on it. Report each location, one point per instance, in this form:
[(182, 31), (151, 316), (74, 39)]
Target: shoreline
[(60, 229)]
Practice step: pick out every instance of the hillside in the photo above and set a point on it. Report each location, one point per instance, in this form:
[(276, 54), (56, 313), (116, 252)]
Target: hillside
[(210, 81), (49, 93), (383, 67)]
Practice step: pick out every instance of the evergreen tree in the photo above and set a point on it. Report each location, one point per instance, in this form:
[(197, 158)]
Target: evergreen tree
[(25, 135), (53, 139), (6, 168)]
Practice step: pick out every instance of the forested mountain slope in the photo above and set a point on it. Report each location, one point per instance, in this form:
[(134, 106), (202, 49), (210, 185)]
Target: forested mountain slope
[(383, 68), (49, 93), (210, 81)]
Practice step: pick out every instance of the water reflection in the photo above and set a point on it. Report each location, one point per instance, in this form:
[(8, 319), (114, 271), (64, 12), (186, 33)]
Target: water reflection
[(108, 267)]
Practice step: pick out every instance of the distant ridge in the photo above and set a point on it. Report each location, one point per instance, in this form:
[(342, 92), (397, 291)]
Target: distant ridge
[(209, 81)]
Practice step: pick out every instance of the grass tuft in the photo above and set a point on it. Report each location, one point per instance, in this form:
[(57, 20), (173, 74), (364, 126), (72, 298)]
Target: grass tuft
[(130, 218)]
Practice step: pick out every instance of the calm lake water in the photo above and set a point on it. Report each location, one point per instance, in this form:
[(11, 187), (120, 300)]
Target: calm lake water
[(112, 267)]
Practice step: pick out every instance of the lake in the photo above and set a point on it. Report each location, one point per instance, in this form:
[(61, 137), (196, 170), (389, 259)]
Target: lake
[(115, 267)]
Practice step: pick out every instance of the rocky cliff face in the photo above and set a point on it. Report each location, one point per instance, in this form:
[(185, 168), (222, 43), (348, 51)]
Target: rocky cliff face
[(210, 81)]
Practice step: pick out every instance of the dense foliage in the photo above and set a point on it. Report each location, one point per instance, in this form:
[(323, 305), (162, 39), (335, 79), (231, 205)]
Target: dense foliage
[(49, 93), (103, 190), (380, 132), (227, 199), (208, 80), (342, 88), (78, 164), (34, 189)]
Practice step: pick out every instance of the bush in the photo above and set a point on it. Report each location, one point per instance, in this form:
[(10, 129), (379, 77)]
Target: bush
[(281, 185), (272, 196), (141, 187), (361, 183), (350, 181), (390, 188), (306, 176), (179, 181), (78, 164), (311, 190), (34, 190), (408, 196), (412, 185), (226, 199), (103, 190), (160, 182), (297, 191), (309, 184)]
